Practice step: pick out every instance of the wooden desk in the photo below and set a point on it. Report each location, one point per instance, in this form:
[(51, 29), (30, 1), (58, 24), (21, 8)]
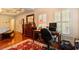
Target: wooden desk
[(53, 33), (58, 35), (36, 34)]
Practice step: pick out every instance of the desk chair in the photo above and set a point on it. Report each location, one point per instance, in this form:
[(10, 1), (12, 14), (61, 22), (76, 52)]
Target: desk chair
[(46, 36)]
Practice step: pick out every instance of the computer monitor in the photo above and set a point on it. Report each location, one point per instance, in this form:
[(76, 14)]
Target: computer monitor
[(52, 26)]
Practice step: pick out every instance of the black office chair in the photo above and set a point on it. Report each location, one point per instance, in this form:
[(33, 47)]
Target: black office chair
[(46, 36)]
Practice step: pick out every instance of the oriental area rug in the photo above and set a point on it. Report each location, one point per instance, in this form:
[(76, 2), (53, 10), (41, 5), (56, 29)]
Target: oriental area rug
[(27, 45)]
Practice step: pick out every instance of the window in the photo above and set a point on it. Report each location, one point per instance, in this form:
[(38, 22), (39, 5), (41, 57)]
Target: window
[(63, 21), (42, 20)]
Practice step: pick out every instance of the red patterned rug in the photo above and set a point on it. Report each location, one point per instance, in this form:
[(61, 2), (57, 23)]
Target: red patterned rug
[(27, 45)]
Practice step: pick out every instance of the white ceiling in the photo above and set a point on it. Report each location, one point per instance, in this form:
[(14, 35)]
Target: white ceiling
[(14, 11)]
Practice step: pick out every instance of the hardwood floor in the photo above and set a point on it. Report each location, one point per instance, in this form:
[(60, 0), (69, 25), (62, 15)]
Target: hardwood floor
[(8, 42), (17, 38)]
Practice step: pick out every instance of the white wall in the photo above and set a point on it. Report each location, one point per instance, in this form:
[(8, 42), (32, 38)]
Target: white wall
[(48, 11), (75, 22), (5, 21)]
